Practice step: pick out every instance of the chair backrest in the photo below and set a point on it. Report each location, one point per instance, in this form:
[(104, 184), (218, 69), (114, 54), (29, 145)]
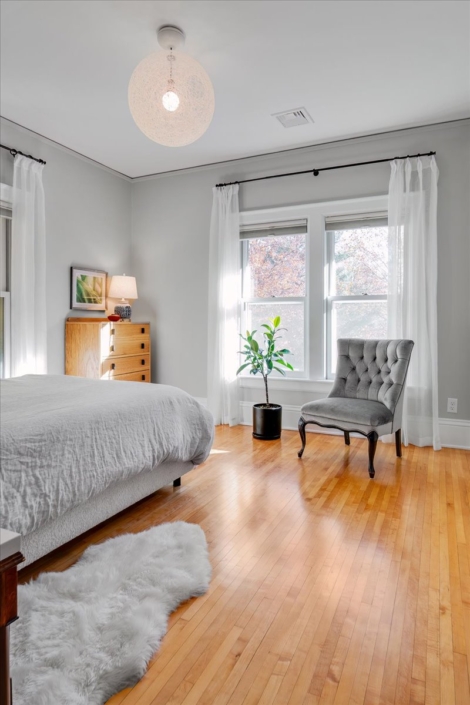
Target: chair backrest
[(372, 369)]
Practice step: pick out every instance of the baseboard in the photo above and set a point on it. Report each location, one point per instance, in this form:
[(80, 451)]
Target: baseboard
[(454, 433)]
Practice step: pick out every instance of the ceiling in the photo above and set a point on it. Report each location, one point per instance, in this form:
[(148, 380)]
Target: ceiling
[(358, 67)]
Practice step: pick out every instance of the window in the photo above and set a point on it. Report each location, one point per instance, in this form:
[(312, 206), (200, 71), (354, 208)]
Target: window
[(357, 273), (323, 267), (274, 267), (5, 234)]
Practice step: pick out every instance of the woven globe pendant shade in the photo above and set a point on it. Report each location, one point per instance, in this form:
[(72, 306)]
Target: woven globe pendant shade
[(191, 84)]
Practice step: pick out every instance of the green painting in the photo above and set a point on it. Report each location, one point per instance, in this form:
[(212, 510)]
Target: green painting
[(88, 289)]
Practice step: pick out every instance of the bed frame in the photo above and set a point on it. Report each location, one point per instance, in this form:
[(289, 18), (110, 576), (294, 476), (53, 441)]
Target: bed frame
[(97, 509)]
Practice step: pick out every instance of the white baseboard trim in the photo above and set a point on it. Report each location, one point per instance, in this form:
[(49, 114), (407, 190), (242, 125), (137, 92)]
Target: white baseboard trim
[(454, 434)]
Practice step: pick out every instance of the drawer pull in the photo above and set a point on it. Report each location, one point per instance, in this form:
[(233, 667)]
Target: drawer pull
[(111, 347), (142, 345), (142, 330), (143, 378), (113, 332), (143, 362), (113, 366)]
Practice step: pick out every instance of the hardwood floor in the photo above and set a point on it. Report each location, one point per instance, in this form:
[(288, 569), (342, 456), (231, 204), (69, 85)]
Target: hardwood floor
[(328, 587)]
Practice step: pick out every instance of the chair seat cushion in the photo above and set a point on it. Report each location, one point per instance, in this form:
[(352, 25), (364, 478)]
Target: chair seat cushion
[(359, 411)]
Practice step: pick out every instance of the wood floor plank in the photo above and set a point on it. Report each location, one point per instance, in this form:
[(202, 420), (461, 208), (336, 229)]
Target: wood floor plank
[(327, 588)]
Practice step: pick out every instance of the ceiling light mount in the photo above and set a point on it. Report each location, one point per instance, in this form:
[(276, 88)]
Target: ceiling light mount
[(170, 37)]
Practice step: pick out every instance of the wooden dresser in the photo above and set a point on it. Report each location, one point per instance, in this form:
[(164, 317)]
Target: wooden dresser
[(98, 349)]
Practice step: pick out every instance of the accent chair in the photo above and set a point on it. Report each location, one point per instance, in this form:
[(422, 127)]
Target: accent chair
[(367, 394)]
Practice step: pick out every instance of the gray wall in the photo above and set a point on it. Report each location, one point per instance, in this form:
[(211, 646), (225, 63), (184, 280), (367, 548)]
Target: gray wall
[(88, 218), (170, 244), (88, 223)]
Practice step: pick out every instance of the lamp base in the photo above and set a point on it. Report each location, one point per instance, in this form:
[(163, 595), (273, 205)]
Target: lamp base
[(123, 310)]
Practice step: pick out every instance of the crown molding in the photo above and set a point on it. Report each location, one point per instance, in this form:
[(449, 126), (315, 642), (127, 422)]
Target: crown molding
[(63, 148), (306, 149), (265, 157)]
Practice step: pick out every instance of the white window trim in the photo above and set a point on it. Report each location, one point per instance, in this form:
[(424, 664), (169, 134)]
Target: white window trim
[(315, 376)]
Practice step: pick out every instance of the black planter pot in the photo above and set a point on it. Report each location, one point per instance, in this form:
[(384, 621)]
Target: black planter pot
[(267, 421)]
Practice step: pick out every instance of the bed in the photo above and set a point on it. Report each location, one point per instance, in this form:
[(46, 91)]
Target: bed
[(75, 451)]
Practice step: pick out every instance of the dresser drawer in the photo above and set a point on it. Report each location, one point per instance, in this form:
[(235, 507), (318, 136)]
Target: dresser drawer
[(110, 368), (124, 331), (128, 346), (133, 377)]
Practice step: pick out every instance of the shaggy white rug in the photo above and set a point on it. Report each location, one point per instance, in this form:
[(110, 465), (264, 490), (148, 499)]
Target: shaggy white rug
[(90, 631)]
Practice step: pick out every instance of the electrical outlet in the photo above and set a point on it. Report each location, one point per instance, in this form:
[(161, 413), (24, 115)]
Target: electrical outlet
[(452, 405)]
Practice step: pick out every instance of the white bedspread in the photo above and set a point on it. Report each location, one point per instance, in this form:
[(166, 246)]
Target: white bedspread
[(65, 439)]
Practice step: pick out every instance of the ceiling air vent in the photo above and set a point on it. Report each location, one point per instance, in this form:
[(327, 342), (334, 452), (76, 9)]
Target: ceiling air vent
[(292, 118)]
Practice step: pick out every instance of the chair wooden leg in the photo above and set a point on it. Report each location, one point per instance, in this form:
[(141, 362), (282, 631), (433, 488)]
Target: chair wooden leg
[(398, 442), (372, 438), (346, 438), (303, 437)]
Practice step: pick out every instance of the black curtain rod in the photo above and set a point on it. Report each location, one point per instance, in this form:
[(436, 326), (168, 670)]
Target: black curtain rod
[(315, 172), (14, 152)]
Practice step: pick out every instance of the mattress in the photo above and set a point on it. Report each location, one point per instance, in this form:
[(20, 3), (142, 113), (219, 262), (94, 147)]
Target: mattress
[(67, 439)]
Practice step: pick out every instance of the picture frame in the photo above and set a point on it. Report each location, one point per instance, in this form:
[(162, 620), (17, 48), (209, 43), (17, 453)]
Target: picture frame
[(88, 288)]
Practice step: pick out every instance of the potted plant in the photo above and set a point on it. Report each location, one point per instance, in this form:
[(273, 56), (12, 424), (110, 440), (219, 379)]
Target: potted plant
[(267, 417)]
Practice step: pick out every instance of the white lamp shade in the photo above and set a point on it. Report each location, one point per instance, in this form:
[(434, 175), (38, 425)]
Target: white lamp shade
[(123, 287), (172, 127)]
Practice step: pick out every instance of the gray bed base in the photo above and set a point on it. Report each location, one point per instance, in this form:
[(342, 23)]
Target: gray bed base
[(111, 501)]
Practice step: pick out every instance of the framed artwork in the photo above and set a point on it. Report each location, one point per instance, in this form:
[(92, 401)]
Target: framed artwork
[(88, 289)]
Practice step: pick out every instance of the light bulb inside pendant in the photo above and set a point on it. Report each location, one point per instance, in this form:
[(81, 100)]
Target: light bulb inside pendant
[(170, 101)]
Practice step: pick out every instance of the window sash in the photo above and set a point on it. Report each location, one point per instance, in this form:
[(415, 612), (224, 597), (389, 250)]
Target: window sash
[(332, 225), (246, 300)]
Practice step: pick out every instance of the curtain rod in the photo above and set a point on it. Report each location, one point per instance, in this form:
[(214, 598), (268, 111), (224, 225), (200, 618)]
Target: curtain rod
[(14, 152), (315, 172)]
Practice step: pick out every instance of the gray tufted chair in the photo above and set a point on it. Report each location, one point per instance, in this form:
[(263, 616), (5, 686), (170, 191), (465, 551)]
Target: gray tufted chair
[(367, 394)]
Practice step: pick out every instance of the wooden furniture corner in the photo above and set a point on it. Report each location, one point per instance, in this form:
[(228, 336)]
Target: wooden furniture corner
[(8, 613)]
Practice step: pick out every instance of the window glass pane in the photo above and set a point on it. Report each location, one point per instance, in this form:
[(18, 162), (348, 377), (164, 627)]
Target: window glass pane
[(292, 318), (360, 261), (357, 319), (274, 266)]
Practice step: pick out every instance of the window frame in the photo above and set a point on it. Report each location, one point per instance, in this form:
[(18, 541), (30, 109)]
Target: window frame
[(244, 302), (330, 300), (315, 377)]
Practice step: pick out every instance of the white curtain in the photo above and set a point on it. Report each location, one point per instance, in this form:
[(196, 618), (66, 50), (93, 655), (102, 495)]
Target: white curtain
[(412, 294), (224, 307), (28, 270)]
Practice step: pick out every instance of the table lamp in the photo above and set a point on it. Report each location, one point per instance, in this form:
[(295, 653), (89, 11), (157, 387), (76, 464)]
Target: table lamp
[(123, 288)]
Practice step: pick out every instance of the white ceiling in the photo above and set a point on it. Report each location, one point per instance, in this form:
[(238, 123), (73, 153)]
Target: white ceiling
[(358, 67)]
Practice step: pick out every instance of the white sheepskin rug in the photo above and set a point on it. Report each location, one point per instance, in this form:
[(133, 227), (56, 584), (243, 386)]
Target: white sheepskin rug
[(91, 630)]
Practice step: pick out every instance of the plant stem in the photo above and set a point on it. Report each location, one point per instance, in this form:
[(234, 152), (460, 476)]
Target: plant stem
[(265, 379)]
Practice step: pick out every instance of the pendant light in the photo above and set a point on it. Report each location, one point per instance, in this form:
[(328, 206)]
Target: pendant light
[(171, 97)]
